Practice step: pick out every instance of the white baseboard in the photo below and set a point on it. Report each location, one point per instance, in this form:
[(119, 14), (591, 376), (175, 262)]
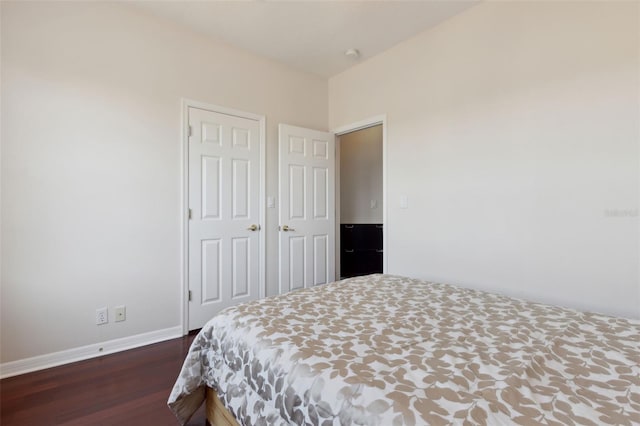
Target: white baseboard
[(54, 359)]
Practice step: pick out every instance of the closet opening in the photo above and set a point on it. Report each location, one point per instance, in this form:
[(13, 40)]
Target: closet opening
[(360, 209)]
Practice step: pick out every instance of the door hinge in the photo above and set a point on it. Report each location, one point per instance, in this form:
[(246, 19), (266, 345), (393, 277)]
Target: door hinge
[(189, 213), (189, 295), (190, 131)]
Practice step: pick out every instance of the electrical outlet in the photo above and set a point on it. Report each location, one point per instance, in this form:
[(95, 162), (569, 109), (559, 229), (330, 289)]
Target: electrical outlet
[(102, 316), (121, 313)]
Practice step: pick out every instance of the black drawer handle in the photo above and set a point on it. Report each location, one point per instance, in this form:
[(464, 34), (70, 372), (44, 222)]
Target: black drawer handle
[(348, 251), (348, 226)]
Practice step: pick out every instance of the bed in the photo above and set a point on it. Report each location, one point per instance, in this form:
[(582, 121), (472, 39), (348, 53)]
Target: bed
[(389, 350)]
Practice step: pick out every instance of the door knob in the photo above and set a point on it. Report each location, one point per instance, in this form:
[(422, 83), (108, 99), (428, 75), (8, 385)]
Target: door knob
[(253, 227), (285, 228)]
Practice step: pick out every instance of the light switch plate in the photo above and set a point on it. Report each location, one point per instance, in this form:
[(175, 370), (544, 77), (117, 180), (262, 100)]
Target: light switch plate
[(271, 202), (404, 202)]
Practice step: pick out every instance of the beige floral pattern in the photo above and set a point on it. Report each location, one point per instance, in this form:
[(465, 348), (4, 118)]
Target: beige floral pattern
[(388, 350)]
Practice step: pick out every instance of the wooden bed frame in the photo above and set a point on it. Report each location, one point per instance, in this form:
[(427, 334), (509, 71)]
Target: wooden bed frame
[(217, 413)]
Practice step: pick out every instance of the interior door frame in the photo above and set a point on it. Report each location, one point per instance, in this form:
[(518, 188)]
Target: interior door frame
[(342, 130), (184, 205)]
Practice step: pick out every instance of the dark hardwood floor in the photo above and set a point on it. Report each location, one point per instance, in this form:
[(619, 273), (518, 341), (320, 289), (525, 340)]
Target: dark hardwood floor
[(126, 388)]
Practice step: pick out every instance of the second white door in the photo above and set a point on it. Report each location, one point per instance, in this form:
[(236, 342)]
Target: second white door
[(307, 207)]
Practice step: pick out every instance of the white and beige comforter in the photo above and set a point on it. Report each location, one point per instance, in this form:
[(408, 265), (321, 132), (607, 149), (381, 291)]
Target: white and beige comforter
[(387, 350)]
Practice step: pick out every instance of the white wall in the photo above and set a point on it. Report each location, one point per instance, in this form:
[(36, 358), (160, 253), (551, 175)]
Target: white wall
[(361, 176), (513, 129), (91, 163)]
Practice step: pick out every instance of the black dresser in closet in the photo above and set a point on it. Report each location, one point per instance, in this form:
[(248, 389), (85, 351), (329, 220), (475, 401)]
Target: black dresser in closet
[(360, 249)]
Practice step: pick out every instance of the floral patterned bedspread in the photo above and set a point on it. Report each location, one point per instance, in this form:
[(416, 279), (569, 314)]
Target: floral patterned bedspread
[(388, 350)]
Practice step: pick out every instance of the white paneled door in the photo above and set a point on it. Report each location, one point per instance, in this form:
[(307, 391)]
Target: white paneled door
[(307, 207), (224, 202)]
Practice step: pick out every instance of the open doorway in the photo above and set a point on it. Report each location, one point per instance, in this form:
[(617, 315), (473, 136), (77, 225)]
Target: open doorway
[(360, 209)]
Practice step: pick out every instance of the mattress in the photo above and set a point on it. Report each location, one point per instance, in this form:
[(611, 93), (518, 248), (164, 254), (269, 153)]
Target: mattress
[(389, 350)]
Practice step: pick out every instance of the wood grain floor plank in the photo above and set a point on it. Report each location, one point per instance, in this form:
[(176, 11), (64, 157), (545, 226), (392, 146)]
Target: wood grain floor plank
[(127, 388)]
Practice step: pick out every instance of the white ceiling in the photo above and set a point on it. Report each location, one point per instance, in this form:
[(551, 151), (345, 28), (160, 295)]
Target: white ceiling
[(309, 35)]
